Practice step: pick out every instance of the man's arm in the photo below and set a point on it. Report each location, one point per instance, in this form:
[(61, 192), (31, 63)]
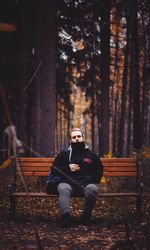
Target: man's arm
[(60, 164), (97, 168)]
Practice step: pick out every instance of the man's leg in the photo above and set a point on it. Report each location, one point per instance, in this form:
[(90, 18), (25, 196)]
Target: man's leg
[(90, 194), (65, 191)]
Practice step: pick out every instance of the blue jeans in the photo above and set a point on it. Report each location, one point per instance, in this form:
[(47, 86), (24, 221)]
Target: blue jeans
[(90, 194)]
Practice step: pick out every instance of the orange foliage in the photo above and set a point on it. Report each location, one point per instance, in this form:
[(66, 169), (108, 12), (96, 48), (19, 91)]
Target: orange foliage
[(7, 27)]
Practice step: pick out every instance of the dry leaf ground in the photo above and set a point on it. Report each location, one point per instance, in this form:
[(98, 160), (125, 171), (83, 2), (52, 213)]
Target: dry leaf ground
[(115, 224)]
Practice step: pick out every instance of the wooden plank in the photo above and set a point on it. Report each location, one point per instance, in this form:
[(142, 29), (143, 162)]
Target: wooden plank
[(111, 169), (33, 173), (118, 159), (125, 174), (36, 165), (32, 194), (105, 174), (41, 194), (119, 164), (117, 194), (35, 159), (106, 164), (47, 168), (48, 160), (24, 169), (33, 164)]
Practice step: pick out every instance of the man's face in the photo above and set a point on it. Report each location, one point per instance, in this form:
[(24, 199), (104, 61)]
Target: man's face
[(76, 136)]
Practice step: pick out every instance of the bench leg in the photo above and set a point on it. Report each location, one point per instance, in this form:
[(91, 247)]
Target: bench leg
[(12, 206), (139, 206), (127, 229)]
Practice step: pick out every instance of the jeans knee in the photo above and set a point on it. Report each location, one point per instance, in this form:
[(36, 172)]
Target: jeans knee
[(91, 190), (64, 188)]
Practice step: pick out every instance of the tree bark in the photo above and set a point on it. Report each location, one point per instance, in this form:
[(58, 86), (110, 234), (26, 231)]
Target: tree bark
[(136, 97), (105, 63), (46, 34)]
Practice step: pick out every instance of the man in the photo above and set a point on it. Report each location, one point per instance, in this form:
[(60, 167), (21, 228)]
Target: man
[(80, 170)]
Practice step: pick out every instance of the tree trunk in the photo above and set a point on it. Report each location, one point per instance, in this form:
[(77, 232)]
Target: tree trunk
[(47, 77), (105, 59), (146, 91), (23, 79), (136, 97), (124, 96)]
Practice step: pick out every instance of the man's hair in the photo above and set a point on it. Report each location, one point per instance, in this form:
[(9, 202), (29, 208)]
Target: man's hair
[(77, 129)]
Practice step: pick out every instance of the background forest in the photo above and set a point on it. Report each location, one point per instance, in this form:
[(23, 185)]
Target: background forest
[(69, 63)]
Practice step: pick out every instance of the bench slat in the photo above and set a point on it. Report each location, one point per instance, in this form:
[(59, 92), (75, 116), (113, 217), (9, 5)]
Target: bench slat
[(133, 169), (34, 173), (24, 169), (119, 164), (106, 174), (45, 168), (49, 159), (134, 159), (40, 194), (34, 159), (34, 164), (104, 160), (43, 164), (123, 174)]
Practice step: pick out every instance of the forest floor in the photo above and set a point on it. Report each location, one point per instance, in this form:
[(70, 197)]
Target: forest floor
[(115, 224), (110, 228)]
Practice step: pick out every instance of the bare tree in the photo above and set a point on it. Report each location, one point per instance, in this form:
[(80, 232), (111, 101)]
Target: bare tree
[(105, 71), (46, 36)]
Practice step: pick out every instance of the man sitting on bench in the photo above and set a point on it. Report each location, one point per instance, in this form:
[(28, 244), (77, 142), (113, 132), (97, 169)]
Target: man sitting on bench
[(81, 170)]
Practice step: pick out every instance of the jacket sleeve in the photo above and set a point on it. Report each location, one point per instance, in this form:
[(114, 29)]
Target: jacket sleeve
[(98, 169), (61, 164)]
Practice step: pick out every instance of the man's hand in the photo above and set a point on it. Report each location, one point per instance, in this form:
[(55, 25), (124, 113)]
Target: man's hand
[(74, 167)]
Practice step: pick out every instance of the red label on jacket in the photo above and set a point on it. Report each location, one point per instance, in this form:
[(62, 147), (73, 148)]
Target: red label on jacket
[(87, 160)]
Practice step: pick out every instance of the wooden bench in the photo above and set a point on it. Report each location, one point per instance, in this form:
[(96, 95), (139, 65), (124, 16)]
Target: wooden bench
[(113, 167)]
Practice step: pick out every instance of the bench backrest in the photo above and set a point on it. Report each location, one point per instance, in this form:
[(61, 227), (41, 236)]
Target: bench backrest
[(112, 166)]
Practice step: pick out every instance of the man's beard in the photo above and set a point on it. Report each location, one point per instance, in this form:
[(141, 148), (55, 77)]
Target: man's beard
[(78, 145)]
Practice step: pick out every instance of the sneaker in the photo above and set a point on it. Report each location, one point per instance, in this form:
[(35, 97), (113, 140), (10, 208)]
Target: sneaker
[(66, 220)]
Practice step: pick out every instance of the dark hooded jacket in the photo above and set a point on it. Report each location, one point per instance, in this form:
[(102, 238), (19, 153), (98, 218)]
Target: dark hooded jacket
[(91, 168)]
